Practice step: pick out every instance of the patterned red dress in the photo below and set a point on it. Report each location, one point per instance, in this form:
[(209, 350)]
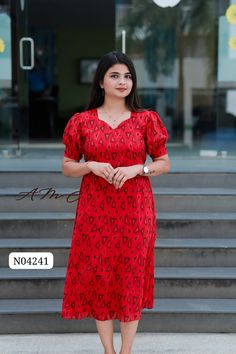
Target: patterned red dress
[(110, 273)]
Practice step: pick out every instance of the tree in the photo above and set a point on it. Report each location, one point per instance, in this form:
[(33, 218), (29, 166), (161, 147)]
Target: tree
[(163, 35)]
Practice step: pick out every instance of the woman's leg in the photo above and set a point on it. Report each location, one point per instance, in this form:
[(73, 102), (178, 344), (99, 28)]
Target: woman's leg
[(105, 330), (128, 331)]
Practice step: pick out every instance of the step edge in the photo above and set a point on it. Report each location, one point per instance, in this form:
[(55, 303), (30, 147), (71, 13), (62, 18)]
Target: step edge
[(160, 306)]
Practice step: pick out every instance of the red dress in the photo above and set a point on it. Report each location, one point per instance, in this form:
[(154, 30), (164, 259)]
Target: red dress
[(110, 273)]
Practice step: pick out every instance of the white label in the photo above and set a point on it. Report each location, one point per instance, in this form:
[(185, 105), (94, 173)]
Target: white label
[(31, 260), (210, 153)]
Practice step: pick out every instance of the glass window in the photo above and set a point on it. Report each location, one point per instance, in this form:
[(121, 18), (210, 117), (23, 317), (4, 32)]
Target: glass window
[(185, 59)]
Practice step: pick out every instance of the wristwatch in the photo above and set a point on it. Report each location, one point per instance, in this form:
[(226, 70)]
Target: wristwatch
[(145, 170)]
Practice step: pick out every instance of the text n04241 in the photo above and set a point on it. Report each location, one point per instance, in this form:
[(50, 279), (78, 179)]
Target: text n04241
[(31, 260)]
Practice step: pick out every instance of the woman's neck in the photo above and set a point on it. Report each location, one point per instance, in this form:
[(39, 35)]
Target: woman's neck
[(114, 106)]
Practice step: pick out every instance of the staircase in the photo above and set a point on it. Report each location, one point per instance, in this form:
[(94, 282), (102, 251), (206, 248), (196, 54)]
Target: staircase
[(195, 253)]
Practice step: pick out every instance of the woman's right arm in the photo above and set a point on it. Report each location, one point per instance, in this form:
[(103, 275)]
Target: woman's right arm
[(72, 168)]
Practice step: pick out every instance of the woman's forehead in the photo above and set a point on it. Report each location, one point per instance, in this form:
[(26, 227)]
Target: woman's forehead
[(118, 68)]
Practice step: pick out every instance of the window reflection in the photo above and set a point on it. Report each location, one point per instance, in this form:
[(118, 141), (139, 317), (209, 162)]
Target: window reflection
[(180, 56)]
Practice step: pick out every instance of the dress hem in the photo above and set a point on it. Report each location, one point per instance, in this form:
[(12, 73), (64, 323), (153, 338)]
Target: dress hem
[(114, 317)]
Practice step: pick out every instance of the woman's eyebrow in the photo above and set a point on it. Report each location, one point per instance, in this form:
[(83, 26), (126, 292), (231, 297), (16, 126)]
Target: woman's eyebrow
[(116, 72)]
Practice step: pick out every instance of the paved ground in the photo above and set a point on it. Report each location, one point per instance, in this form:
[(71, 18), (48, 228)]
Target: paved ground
[(145, 343)]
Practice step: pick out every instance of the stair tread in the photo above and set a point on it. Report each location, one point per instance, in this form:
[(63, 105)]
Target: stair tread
[(195, 272), (41, 190), (181, 165), (36, 215), (160, 243), (31, 165), (176, 305), (39, 243), (160, 273), (54, 273), (197, 216), (159, 191), (194, 191), (196, 242), (159, 215)]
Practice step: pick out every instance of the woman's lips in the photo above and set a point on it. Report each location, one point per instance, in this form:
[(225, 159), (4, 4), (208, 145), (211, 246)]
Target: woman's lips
[(121, 89)]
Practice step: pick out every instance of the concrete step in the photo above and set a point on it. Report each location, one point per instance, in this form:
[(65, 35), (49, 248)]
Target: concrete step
[(192, 225), (168, 252), (36, 225), (168, 315), (195, 252), (59, 225), (190, 179), (46, 172), (60, 248), (195, 282), (41, 199), (38, 199), (200, 200), (170, 282), (32, 179), (55, 179)]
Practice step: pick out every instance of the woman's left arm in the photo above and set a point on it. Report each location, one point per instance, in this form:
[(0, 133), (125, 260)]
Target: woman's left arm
[(159, 166)]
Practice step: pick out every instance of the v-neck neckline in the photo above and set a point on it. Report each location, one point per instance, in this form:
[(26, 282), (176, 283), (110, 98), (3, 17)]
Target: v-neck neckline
[(123, 121)]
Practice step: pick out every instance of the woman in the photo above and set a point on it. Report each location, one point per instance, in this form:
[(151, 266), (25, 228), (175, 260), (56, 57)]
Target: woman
[(110, 272)]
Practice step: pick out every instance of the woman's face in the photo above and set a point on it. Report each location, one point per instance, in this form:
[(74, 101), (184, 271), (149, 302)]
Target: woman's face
[(117, 81)]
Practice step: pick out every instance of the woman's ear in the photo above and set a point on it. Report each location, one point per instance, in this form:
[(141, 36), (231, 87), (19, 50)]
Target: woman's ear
[(101, 85)]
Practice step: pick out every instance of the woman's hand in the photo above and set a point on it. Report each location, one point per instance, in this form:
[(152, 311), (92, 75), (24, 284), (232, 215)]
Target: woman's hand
[(102, 169), (116, 176), (121, 174)]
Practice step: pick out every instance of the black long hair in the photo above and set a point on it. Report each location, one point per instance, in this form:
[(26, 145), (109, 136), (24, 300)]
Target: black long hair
[(97, 93)]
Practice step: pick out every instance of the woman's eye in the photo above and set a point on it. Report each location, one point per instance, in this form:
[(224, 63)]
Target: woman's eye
[(115, 76)]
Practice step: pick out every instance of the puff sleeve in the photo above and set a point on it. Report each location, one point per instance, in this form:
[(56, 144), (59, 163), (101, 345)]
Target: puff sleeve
[(72, 138), (156, 136)]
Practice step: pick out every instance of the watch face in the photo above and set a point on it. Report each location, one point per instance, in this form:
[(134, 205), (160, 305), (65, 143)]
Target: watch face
[(146, 170)]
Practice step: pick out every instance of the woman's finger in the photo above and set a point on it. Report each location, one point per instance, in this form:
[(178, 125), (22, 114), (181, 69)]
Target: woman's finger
[(122, 181)]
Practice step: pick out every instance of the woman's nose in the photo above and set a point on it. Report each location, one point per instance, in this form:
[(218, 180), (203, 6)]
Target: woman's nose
[(121, 80)]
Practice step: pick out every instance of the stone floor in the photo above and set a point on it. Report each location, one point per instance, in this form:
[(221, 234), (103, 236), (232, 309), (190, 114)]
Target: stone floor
[(145, 343)]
